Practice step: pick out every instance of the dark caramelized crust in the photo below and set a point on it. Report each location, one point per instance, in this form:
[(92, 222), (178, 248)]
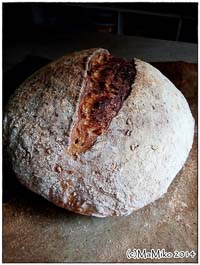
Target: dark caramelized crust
[(108, 84)]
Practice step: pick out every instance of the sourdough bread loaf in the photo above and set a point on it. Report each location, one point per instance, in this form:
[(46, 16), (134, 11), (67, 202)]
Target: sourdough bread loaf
[(98, 135)]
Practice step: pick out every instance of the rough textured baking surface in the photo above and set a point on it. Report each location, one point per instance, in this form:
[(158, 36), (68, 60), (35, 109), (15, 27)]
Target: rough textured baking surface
[(130, 166)]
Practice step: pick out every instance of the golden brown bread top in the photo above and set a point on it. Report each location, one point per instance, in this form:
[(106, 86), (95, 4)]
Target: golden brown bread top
[(108, 83)]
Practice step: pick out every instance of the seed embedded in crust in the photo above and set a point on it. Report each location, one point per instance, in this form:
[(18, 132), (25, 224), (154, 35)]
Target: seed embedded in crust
[(48, 151), (58, 169), (128, 132), (133, 147), (129, 121), (154, 147)]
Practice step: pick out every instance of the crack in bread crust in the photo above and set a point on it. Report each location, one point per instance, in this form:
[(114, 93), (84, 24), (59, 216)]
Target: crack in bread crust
[(107, 84)]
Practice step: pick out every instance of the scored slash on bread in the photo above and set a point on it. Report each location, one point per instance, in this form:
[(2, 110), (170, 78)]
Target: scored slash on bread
[(107, 84)]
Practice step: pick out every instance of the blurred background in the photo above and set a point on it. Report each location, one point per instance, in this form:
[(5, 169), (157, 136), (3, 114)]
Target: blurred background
[(168, 21), (37, 33)]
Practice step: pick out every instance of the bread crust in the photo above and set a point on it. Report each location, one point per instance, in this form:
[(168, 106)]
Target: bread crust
[(107, 84), (184, 75), (129, 166)]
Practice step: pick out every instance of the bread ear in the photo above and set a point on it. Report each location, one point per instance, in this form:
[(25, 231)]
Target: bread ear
[(107, 84)]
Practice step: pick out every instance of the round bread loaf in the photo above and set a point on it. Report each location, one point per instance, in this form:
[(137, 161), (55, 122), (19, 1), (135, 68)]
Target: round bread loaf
[(98, 135)]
